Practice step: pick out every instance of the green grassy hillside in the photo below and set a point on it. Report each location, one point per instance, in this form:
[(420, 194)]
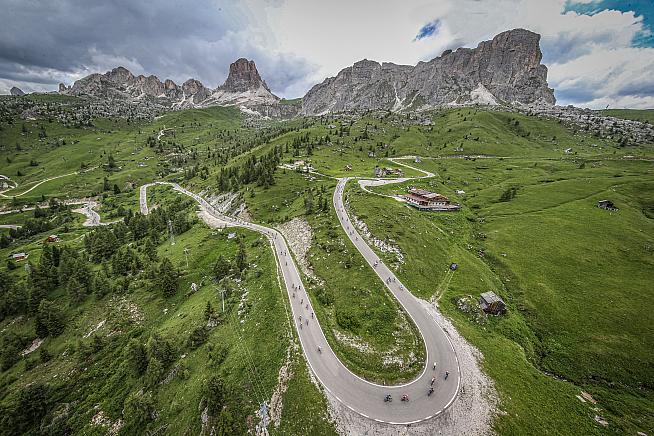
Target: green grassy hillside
[(643, 115), (575, 278)]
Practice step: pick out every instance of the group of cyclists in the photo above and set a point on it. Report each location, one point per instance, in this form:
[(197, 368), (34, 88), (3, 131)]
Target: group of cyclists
[(306, 306), (388, 398)]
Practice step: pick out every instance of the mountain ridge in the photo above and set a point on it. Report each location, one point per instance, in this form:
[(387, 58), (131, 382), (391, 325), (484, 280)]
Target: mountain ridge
[(243, 87), (504, 70)]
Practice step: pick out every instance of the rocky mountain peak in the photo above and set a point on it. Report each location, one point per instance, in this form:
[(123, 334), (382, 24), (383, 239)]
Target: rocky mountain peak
[(170, 85), (504, 70), (120, 75), (16, 91), (243, 76)]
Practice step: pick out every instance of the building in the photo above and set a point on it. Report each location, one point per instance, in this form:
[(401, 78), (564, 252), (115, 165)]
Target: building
[(607, 205), (18, 256), (381, 172), (491, 303), (422, 199), (52, 238)]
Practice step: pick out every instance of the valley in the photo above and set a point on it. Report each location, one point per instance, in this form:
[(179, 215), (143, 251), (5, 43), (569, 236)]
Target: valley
[(543, 339), (425, 248)]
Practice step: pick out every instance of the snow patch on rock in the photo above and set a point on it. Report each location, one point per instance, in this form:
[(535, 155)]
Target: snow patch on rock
[(481, 95)]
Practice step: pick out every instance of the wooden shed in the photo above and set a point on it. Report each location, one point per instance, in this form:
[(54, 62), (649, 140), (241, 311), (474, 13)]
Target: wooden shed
[(492, 303)]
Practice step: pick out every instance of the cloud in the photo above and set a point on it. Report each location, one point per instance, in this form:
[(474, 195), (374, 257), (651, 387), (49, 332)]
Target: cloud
[(298, 43), (614, 77), (644, 9), (47, 42)]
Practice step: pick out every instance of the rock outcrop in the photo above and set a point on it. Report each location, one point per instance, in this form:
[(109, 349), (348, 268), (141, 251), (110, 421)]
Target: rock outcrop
[(244, 87), (243, 76), (120, 83), (506, 69), (16, 91)]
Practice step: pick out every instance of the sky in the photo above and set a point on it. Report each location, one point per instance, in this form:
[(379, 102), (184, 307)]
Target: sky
[(598, 52)]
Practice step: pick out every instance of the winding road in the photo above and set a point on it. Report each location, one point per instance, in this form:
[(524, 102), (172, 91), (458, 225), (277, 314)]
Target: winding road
[(359, 395), (40, 182)]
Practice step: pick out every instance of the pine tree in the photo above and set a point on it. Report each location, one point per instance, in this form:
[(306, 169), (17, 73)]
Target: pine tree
[(101, 284), (241, 256), (215, 395), (154, 372), (208, 311), (50, 319), (221, 268), (150, 250), (167, 278), (75, 291), (138, 409), (137, 356), (308, 202), (36, 295)]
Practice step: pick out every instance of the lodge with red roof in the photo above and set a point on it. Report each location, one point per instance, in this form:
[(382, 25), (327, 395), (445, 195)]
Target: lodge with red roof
[(422, 199)]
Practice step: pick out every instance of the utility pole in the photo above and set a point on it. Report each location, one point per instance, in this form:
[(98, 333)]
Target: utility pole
[(186, 256), (171, 232), (222, 294)]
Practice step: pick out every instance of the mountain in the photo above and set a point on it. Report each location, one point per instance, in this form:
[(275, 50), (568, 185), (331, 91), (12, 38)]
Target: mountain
[(506, 69), (244, 87), (120, 83), (16, 92)]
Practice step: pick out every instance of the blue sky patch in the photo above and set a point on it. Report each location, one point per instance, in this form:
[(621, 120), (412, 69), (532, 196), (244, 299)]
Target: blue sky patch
[(428, 30), (644, 8)]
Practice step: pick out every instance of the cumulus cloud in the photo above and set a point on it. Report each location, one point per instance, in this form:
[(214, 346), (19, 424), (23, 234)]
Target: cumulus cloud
[(591, 53), (47, 42)]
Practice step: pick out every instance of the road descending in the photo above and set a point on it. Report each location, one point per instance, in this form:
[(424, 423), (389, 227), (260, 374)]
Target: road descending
[(359, 395)]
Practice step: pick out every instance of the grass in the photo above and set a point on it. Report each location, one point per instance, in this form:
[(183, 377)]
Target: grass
[(576, 278), (304, 407), (253, 338), (643, 115), (571, 292), (351, 303), (291, 101)]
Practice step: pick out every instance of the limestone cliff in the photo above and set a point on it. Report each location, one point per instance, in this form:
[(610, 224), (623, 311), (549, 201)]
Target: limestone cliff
[(506, 69)]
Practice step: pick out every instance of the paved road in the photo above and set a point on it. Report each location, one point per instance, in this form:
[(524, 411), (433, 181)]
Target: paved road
[(357, 394), (93, 218)]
